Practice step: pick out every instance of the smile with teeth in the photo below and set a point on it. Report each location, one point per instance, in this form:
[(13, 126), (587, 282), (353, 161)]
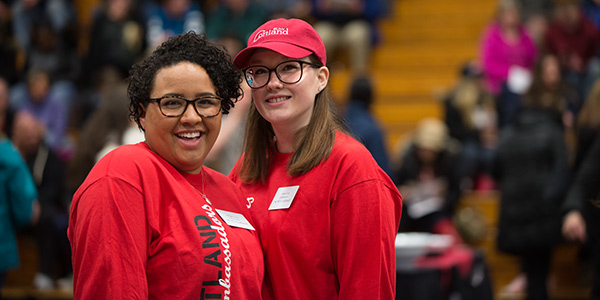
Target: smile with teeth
[(190, 135), (278, 99)]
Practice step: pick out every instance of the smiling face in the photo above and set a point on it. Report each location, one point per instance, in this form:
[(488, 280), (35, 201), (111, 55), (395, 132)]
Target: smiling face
[(282, 104), (183, 141)]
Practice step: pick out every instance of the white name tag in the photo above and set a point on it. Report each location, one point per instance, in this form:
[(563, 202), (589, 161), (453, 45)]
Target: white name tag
[(234, 219), (284, 197)]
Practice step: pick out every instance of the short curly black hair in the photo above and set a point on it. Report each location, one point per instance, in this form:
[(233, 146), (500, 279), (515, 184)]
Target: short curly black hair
[(187, 47)]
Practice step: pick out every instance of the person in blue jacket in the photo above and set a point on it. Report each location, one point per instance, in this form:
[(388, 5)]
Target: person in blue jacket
[(18, 203)]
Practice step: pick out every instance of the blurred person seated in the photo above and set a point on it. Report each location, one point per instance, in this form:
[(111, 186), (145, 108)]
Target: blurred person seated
[(549, 81), (427, 180), (49, 52), (39, 102), (507, 51), (60, 14), (54, 255), (91, 97), (106, 129), (574, 40), (299, 9), (531, 170), (536, 15), (167, 18), (233, 21), (470, 114), (351, 26), (591, 9), (362, 123), (117, 39)]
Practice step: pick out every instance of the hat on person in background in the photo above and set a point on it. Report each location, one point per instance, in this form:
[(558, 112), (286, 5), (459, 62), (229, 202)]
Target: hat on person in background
[(431, 134), (293, 38)]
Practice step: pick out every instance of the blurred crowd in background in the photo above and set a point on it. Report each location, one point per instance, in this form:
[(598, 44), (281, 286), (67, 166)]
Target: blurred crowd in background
[(523, 117)]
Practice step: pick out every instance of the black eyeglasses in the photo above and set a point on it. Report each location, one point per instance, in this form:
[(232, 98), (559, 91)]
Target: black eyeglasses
[(174, 106), (288, 72)]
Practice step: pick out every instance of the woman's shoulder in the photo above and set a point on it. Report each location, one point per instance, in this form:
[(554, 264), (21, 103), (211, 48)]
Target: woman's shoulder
[(124, 160), (346, 145), (349, 153), (126, 154)]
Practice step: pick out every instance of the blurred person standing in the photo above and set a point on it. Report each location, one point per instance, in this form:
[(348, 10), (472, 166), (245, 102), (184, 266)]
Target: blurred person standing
[(54, 255), (587, 125), (531, 170), (362, 123), (581, 221)]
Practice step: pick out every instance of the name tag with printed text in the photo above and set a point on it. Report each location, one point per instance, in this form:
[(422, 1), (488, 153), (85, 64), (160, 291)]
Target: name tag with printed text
[(234, 219), (284, 197)]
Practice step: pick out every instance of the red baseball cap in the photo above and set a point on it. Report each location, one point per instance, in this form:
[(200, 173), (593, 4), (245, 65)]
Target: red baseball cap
[(293, 38)]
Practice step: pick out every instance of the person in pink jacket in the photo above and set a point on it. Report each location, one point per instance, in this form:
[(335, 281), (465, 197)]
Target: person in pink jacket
[(507, 49), (327, 215)]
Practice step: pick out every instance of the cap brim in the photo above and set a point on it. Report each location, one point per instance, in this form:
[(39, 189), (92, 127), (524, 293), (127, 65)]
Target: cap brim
[(285, 49)]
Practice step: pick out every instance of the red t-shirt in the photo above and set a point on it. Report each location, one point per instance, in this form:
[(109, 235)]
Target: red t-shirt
[(139, 229), (336, 240)]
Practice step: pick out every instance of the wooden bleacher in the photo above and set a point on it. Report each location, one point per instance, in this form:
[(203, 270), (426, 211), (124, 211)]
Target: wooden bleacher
[(19, 282), (424, 45)]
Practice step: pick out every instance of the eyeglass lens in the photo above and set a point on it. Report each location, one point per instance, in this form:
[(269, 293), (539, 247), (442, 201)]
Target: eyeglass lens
[(173, 106), (287, 72)]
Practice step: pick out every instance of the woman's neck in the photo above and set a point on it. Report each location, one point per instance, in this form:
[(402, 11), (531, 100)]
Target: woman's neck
[(285, 139)]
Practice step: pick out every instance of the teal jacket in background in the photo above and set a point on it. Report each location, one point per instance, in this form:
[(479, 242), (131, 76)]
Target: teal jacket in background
[(17, 194)]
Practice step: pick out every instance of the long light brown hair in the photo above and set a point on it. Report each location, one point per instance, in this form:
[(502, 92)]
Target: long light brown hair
[(313, 142)]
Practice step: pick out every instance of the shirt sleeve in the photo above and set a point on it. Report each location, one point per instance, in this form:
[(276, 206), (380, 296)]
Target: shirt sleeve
[(365, 219), (109, 240)]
